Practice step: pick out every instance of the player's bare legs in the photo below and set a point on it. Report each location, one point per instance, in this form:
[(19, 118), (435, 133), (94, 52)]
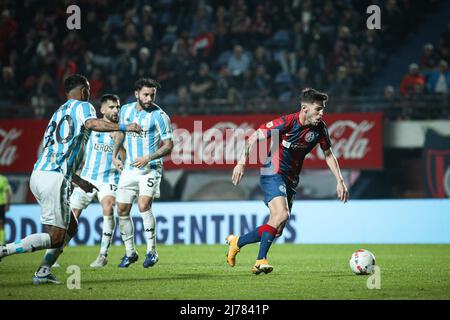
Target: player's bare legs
[(107, 203), (145, 208), (279, 214), (53, 237), (43, 273), (54, 253), (127, 233)]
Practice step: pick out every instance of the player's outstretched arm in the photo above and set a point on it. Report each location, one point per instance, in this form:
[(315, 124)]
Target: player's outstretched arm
[(105, 126), (334, 167), (165, 149), (118, 150), (238, 171)]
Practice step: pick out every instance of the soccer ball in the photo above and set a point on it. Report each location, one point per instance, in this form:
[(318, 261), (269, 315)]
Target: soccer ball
[(362, 262)]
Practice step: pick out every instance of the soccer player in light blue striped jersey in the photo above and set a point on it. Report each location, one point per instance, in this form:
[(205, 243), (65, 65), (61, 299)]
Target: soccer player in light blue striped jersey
[(99, 170), (54, 172), (142, 170)]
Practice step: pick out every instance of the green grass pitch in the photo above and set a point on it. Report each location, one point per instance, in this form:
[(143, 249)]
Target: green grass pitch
[(200, 272)]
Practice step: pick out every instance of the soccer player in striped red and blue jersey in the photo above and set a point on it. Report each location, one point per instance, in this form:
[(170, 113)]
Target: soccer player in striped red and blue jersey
[(54, 171), (295, 135), (142, 170)]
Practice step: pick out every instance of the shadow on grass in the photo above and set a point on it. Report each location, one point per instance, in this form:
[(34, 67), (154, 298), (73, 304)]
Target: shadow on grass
[(156, 278), (339, 275)]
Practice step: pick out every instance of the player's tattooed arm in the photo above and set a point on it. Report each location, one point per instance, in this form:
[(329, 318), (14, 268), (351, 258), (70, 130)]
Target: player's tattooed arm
[(118, 144), (248, 147), (164, 150), (333, 164), (238, 171), (105, 126), (118, 150)]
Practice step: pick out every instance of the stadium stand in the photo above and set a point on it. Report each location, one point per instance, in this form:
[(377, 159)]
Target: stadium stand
[(256, 53)]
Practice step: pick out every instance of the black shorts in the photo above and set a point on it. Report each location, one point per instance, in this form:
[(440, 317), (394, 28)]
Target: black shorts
[(2, 212)]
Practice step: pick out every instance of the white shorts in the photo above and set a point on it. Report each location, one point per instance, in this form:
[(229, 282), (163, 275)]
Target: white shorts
[(134, 183), (51, 190), (80, 199)]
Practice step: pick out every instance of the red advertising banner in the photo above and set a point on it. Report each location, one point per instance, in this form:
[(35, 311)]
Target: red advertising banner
[(356, 139), (215, 142), (19, 144)]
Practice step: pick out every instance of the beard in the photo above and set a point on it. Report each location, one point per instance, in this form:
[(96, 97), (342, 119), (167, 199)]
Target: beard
[(148, 105), (113, 118)]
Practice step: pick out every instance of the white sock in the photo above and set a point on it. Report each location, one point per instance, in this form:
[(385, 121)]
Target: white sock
[(150, 230), (33, 242), (107, 234), (127, 233), (51, 255)]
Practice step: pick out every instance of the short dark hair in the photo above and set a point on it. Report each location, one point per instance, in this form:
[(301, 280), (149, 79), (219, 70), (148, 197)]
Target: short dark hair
[(74, 81), (309, 95), (146, 82), (109, 97)]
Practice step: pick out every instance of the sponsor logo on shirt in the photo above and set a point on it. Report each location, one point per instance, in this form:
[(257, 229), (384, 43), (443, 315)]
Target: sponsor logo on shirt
[(103, 147)]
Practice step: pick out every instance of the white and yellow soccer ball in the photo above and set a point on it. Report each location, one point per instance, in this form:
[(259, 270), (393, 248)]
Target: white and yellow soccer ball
[(362, 262)]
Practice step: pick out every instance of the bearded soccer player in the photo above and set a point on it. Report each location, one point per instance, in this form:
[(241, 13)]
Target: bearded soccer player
[(54, 171), (298, 134), (99, 170), (143, 168)]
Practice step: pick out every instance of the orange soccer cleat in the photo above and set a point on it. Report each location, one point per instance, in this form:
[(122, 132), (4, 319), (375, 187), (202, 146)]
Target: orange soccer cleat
[(262, 266), (233, 249)]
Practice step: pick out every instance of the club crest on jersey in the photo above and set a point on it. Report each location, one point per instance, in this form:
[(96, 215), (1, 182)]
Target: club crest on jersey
[(282, 188), (311, 136), (269, 124)]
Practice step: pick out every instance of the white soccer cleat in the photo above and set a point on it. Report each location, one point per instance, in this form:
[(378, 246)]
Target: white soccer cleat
[(50, 278), (100, 262)]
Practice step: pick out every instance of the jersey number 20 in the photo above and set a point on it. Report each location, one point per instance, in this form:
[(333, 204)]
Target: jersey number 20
[(52, 127)]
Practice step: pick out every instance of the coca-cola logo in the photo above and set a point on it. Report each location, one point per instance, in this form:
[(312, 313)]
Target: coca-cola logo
[(348, 139), (8, 151), (356, 140), (222, 143)]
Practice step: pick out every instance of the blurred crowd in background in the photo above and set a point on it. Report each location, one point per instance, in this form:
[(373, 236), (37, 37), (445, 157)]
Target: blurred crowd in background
[(244, 55)]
